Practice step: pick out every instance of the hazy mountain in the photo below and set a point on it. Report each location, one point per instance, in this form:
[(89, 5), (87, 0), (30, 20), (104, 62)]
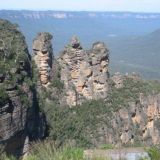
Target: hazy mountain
[(127, 34), (138, 54)]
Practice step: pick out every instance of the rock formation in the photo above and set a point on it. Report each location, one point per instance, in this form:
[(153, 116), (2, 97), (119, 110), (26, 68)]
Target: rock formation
[(119, 117), (137, 124), (118, 80), (15, 93), (42, 51), (85, 73)]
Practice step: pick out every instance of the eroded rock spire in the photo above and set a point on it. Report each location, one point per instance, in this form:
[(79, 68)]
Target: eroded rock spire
[(43, 56), (85, 73)]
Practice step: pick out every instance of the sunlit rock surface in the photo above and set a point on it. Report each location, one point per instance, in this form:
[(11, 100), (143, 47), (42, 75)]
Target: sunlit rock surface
[(85, 73), (43, 53)]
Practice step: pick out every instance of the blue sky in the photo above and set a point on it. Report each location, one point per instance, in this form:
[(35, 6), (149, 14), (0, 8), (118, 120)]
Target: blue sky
[(85, 5)]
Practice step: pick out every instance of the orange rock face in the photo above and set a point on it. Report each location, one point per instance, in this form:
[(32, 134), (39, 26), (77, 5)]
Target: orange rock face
[(84, 72), (42, 50)]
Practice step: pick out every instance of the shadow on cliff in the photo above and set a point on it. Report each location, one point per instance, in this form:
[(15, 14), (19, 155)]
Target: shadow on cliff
[(36, 126)]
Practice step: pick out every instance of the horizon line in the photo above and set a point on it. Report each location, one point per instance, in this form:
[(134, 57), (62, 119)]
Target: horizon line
[(65, 10)]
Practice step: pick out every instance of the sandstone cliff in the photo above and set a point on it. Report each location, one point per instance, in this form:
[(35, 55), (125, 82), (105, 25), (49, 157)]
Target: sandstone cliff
[(43, 53), (84, 73), (121, 110), (134, 113), (15, 92), (128, 100), (134, 125)]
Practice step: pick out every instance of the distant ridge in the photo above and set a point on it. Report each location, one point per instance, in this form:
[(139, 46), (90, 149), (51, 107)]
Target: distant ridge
[(133, 38), (138, 53)]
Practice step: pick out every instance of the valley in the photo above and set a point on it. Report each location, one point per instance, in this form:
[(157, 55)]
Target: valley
[(129, 36)]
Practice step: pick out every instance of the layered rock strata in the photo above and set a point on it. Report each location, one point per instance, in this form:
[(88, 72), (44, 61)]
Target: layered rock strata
[(15, 93), (135, 123), (43, 56), (84, 73)]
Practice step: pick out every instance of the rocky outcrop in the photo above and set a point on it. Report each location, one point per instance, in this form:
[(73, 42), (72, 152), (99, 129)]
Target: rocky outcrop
[(84, 73), (120, 117), (15, 93), (43, 53), (117, 78), (136, 124)]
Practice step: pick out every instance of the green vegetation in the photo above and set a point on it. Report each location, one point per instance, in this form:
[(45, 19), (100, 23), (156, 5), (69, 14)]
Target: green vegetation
[(154, 86), (7, 65), (47, 151), (79, 124), (107, 146), (154, 153), (3, 155), (13, 47), (58, 84), (25, 100), (3, 95), (137, 143), (75, 124), (34, 73), (12, 39), (56, 81), (14, 62), (130, 92), (2, 67), (28, 81)]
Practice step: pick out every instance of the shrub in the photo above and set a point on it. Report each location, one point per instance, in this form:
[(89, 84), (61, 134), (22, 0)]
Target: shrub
[(47, 151), (2, 67), (76, 124), (130, 92), (24, 97), (107, 146), (58, 84), (3, 95), (154, 153), (80, 123), (3, 155)]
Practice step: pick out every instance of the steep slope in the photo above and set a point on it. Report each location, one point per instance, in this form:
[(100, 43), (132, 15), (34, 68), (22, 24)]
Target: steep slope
[(129, 116), (118, 110), (15, 88)]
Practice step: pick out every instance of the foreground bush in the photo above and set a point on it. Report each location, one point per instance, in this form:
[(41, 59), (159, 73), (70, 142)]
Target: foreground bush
[(154, 153), (3, 156), (47, 151)]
